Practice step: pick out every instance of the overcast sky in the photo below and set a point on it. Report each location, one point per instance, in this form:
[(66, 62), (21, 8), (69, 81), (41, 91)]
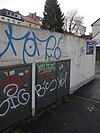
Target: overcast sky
[(90, 9)]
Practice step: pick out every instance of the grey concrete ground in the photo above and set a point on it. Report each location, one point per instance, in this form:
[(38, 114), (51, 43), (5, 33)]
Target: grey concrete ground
[(72, 115), (78, 113)]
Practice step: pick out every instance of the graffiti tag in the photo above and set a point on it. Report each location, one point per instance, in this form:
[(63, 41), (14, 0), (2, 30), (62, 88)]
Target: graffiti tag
[(15, 98), (50, 86), (46, 67), (30, 45)]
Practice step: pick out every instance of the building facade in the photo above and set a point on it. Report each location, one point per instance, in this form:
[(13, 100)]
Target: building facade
[(96, 38), (31, 20)]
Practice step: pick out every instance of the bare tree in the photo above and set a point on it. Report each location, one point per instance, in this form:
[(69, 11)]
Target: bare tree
[(73, 22)]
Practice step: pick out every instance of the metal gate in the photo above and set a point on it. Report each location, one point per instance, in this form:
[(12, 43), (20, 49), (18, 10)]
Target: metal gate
[(52, 82), (45, 84), (63, 77), (15, 95)]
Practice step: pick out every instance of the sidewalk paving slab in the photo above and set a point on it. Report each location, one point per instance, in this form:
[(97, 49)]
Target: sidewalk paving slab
[(75, 115)]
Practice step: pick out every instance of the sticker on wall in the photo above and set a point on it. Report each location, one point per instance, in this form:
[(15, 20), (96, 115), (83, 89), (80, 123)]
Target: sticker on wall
[(61, 67), (90, 48), (26, 71), (6, 74), (11, 73), (21, 74)]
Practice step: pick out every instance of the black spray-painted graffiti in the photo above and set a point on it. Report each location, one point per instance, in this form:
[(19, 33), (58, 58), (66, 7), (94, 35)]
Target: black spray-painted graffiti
[(14, 99), (30, 47), (51, 86)]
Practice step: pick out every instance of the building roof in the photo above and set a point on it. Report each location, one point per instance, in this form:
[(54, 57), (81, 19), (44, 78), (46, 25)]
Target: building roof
[(11, 14), (10, 11), (95, 22), (88, 37), (30, 20)]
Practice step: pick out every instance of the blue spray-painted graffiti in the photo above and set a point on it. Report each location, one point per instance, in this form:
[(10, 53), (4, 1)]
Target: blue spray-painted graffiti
[(34, 48)]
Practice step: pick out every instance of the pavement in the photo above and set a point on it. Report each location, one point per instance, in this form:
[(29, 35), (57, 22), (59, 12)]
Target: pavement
[(77, 113), (91, 90)]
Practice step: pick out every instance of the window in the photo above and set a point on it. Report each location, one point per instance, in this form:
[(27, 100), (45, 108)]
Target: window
[(12, 14), (19, 22), (8, 13), (13, 21), (2, 17), (16, 16), (8, 20)]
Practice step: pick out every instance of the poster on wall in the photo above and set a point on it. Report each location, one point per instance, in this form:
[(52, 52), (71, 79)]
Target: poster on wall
[(90, 47)]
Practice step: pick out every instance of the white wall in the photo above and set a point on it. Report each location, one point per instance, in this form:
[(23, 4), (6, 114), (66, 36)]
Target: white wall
[(19, 45), (96, 28)]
